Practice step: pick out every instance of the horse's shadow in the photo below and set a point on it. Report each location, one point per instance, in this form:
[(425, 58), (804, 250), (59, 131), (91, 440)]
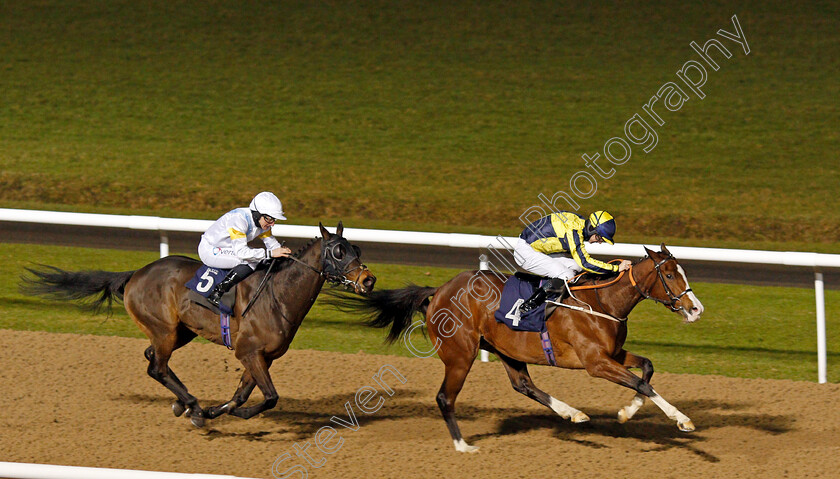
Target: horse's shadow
[(648, 426), (301, 418)]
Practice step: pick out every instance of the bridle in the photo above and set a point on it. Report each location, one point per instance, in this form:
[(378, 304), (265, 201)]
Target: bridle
[(673, 298), (333, 269)]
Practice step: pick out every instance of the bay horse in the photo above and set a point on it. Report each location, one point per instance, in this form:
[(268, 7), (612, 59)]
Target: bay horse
[(460, 319), (157, 300)]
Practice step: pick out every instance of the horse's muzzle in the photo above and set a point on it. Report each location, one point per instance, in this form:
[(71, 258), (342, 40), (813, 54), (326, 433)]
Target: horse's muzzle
[(368, 283)]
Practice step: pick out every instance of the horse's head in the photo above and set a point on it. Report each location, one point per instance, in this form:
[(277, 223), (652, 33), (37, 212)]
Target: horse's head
[(671, 286), (342, 262)]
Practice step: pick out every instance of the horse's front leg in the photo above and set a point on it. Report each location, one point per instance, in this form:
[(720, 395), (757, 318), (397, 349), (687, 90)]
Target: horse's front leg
[(601, 365), (630, 360), (257, 366), (246, 386)]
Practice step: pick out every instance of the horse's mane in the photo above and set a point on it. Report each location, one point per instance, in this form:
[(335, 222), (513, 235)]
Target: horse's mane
[(283, 263)]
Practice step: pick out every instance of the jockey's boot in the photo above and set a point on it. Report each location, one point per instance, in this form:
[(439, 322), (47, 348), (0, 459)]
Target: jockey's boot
[(556, 285), (233, 277)]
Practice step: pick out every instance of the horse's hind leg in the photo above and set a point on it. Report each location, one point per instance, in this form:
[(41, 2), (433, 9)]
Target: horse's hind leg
[(522, 383), (453, 381), (184, 337), (630, 360), (158, 355), (257, 366)]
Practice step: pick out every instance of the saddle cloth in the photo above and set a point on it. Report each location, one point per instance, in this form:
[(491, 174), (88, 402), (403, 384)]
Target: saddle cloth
[(202, 284), (518, 288)]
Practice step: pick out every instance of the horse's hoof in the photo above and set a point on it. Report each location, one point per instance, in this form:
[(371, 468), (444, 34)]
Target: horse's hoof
[(622, 416), (580, 417), (462, 446), (178, 409), (197, 421), (687, 426)]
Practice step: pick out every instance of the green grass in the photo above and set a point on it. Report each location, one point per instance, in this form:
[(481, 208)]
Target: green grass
[(746, 331), (433, 114)]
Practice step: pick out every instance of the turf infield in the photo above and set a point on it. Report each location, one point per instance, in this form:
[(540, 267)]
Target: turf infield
[(423, 115)]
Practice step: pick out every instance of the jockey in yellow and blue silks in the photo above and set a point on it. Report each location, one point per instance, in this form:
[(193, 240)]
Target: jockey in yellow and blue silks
[(553, 246)]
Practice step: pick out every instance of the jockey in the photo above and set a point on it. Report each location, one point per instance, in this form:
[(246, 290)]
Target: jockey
[(225, 243), (552, 246)]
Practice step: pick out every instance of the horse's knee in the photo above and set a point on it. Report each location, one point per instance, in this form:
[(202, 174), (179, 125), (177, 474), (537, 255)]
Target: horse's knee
[(647, 369), (443, 402), (644, 387), (271, 401), (154, 372)]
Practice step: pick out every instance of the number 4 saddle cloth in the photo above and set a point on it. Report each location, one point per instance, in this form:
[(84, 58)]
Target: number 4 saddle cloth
[(518, 288)]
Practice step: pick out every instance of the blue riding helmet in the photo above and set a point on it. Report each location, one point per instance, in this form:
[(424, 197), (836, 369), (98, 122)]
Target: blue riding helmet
[(602, 224)]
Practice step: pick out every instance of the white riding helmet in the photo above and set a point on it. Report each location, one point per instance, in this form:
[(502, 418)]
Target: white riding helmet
[(266, 203)]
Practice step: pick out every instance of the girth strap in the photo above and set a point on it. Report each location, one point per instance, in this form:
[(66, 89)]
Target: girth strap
[(547, 349), (224, 323)]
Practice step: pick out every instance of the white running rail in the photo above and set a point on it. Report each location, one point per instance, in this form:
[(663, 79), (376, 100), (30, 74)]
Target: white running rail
[(21, 470), (818, 261)]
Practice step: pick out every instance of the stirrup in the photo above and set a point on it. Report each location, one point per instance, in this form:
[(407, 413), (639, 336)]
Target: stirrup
[(215, 298), (534, 301)]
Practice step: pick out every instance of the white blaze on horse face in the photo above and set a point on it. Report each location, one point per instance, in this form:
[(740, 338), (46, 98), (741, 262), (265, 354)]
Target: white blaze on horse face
[(691, 314)]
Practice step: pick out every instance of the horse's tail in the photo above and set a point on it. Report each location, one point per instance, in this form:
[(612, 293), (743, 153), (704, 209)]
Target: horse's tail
[(78, 286), (390, 307)]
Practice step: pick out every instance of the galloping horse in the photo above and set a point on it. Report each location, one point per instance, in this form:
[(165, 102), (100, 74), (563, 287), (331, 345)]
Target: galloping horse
[(157, 300), (459, 319)]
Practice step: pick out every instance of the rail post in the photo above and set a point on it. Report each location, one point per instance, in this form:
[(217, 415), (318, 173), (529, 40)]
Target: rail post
[(164, 244), (483, 265), (822, 362)]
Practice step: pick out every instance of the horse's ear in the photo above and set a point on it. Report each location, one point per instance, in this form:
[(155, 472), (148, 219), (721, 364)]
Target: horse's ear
[(339, 229), (324, 233), (664, 249), (649, 252)]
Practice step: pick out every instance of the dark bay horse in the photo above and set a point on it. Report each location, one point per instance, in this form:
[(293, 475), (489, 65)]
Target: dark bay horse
[(459, 319), (157, 300)]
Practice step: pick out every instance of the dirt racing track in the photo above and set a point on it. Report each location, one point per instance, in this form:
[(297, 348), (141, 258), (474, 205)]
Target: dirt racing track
[(87, 401)]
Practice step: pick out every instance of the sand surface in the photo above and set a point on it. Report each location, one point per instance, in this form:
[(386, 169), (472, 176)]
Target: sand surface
[(87, 401)]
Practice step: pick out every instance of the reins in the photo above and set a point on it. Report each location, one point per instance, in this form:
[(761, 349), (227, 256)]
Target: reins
[(259, 288), (671, 305), (339, 278), (589, 311)]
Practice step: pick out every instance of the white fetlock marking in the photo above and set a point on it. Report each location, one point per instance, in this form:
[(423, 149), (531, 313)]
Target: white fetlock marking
[(462, 446), (670, 411), (562, 409), (627, 412)]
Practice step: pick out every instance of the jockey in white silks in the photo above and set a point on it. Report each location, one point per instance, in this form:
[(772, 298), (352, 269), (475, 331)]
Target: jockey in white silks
[(225, 243), (553, 246)]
